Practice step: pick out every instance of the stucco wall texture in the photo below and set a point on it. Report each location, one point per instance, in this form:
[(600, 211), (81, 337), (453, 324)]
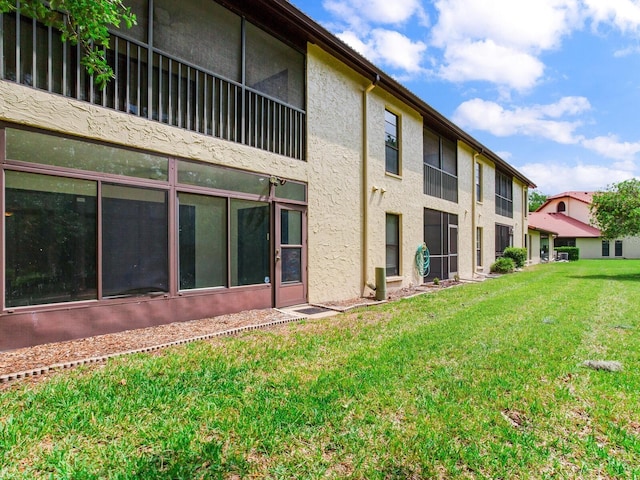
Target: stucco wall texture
[(26, 106), (346, 213)]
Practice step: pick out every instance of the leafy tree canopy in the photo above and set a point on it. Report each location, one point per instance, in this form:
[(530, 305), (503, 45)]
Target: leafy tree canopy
[(536, 199), (616, 211), (84, 22)]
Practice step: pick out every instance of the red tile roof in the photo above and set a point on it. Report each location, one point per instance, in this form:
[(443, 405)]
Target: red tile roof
[(562, 225), (585, 197)]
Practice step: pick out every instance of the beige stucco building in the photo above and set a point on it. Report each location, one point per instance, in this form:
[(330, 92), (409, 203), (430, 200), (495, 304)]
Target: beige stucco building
[(280, 168)]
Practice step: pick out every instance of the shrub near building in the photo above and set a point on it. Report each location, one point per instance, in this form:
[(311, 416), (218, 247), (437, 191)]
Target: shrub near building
[(503, 265), (574, 252), (518, 255)]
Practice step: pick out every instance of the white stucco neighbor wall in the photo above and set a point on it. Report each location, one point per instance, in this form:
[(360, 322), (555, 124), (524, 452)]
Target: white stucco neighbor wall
[(592, 248), (533, 257), (574, 208)]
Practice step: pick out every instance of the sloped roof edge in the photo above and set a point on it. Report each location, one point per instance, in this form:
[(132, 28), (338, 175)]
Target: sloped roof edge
[(584, 197), (562, 225)]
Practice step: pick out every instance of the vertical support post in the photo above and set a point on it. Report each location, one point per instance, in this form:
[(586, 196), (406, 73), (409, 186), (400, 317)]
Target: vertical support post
[(381, 283)]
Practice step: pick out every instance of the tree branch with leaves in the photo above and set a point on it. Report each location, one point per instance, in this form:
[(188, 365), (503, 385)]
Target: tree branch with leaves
[(83, 22), (616, 211)]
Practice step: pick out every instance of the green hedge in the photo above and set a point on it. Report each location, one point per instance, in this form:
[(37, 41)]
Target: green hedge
[(518, 255), (574, 252)]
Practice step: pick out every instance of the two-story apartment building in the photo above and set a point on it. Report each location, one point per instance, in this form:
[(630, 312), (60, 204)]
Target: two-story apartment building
[(243, 157)]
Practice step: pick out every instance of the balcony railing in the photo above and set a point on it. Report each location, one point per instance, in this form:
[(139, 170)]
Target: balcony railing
[(151, 84), (439, 183)]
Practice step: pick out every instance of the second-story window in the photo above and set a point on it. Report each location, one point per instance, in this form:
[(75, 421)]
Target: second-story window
[(478, 175), (440, 166), (504, 195), (392, 143)]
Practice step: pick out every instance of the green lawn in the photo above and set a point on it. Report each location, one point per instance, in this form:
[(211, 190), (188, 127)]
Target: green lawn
[(478, 381)]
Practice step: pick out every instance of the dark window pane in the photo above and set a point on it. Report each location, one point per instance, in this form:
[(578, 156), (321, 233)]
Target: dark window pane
[(392, 244), (431, 146), (449, 157), (134, 241), (504, 238), (202, 241), (291, 264), (453, 240), (211, 176), (201, 32), (26, 49), (274, 68), (249, 242), (292, 191), (9, 46), (69, 153), (139, 31), (50, 239), (392, 255), (433, 231), (290, 227), (618, 247), (391, 160), (605, 248)]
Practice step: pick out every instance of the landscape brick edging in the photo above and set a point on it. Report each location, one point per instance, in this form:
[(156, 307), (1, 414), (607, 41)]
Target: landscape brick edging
[(11, 377)]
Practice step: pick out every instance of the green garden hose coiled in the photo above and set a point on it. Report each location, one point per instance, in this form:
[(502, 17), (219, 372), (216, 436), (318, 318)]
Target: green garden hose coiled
[(423, 260)]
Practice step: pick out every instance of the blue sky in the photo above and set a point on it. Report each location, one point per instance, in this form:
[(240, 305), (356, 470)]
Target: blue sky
[(552, 86)]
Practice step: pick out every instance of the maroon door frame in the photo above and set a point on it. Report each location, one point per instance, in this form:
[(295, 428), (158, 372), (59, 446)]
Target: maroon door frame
[(287, 293)]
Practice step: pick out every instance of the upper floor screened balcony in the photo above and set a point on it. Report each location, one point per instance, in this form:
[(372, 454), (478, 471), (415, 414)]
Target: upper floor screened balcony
[(195, 65), (440, 166)]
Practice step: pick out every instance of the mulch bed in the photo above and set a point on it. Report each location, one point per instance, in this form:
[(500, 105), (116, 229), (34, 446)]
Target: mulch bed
[(34, 362)]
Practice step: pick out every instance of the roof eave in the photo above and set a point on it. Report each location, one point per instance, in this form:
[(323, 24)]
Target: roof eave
[(316, 34)]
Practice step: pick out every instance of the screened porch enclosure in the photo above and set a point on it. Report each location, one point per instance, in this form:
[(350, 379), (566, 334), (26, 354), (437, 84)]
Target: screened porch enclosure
[(216, 74), (91, 246)]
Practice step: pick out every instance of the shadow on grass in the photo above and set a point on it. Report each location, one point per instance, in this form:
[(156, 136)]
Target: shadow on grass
[(625, 277)]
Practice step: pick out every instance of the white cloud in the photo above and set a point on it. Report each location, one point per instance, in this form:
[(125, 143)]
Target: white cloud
[(488, 61), (388, 47), (609, 146), (622, 14), (499, 41), (625, 52), (555, 177), (355, 12), (529, 25), (536, 121)]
